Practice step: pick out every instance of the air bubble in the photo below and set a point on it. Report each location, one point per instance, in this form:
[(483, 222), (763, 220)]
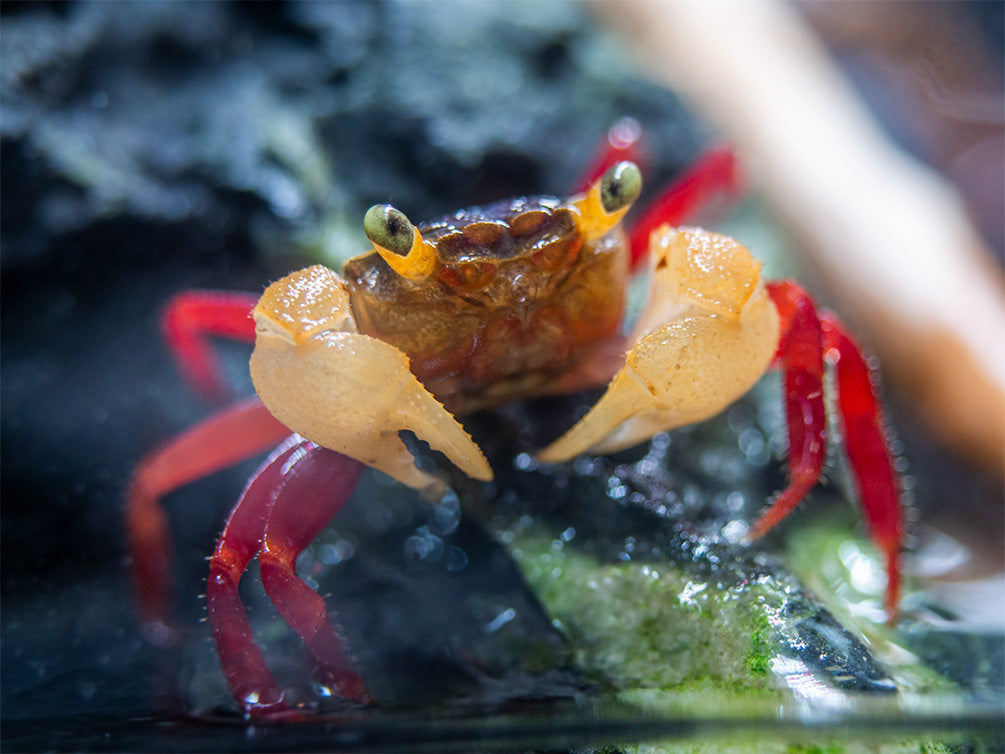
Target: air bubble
[(735, 531), (524, 462), (455, 559), (735, 501), (500, 620)]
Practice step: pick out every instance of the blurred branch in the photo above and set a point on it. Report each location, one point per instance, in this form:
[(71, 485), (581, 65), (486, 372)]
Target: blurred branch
[(888, 236)]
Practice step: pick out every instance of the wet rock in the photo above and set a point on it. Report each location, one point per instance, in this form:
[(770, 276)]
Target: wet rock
[(282, 114), (640, 560)]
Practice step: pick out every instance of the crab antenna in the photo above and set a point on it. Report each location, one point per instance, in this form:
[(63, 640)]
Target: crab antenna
[(608, 199), (399, 242)]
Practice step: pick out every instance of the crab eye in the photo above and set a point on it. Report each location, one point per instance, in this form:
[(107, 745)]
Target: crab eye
[(399, 242), (620, 186), (389, 228)]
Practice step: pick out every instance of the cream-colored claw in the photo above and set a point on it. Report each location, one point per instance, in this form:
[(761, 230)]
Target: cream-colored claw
[(709, 331), (344, 390)]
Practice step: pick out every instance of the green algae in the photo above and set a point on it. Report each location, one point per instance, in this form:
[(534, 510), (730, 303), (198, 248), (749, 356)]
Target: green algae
[(636, 625), (670, 645)]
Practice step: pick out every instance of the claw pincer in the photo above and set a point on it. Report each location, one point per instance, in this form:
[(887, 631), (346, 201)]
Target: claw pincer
[(346, 391), (706, 336)]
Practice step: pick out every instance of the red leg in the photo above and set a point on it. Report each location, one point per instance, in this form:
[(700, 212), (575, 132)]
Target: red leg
[(226, 438), (868, 455), (800, 356), (313, 490), (297, 473), (249, 679), (712, 173), (190, 317), (804, 337)]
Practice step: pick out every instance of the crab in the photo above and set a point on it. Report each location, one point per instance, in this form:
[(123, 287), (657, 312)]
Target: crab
[(488, 305)]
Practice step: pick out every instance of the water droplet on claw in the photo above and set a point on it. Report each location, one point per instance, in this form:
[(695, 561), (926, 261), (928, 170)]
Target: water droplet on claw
[(522, 289)]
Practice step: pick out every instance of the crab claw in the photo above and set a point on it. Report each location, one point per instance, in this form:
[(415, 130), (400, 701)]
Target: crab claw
[(344, 390), (708, 333)]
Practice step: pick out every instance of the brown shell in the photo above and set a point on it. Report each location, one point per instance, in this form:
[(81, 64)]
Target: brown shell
[(517, 300)]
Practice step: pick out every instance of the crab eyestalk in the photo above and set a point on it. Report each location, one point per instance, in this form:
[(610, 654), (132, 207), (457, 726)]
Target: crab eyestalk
[(399, 242), (608, 199)]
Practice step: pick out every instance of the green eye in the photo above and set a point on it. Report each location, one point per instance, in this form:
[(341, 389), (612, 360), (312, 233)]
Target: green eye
[(620, 186), (389, 229)]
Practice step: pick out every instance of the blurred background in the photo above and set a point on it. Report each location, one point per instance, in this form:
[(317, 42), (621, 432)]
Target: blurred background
[(152, 147)]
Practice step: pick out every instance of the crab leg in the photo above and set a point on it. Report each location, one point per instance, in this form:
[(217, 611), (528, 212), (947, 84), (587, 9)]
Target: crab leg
[(192, 316), (870, 458), (233, 435), (249, 679), (288, 500), (314, 489), (805, 337), (800, 356)]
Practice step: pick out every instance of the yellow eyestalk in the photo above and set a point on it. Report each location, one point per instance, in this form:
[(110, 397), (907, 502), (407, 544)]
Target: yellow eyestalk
[(608, 199), (399, 242)]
